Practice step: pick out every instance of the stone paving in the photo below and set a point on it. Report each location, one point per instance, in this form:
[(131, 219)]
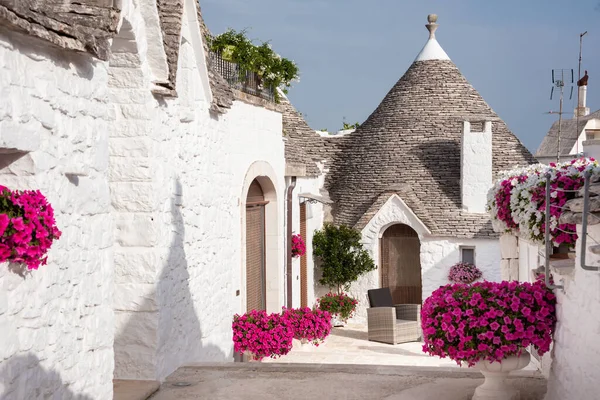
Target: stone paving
[(349, 345), (346, 367), (275, 381)]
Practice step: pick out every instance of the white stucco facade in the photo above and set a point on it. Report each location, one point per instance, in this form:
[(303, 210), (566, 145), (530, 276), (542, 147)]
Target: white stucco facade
[(57, 322), (576, 351), (146, 275), (476, 167)]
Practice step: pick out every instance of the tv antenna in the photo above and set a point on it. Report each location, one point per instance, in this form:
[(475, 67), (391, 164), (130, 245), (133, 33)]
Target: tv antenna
[(581, 35), (560, 79)]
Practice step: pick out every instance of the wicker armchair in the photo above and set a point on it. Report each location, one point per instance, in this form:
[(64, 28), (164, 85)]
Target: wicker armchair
[(389, 323)]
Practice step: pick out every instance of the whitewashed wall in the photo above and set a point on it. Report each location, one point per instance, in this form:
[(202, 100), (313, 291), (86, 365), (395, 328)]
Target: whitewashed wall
[(152, 250), (56, 324), (186, 258), (574, 372), (314, 221)]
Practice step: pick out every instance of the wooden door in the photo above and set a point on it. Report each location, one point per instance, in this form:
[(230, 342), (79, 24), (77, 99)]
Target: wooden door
[(255, 249), (401, 264), (303, 261)]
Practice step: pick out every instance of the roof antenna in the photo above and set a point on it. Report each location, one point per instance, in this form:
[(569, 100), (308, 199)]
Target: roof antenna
[(560, 78), (432, 26), (581, 35)]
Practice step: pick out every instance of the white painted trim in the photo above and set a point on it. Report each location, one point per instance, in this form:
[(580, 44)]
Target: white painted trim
[(197, 42), (413, 221), (266, 176), (432, 51)]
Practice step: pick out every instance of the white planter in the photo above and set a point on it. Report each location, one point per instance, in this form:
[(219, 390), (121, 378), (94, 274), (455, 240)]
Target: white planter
[(336, 321), (494, 387)]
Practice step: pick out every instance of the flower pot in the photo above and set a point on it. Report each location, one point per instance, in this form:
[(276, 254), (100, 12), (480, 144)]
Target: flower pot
[(249, 357), (336, 321), (494, 387)]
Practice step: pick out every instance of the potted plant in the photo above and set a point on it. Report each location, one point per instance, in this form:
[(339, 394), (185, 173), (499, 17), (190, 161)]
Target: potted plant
[(489, 325), (340, 306), (298, 246), (342, 258), (464, 273), (27, 227), (261, 335), (308, 325)]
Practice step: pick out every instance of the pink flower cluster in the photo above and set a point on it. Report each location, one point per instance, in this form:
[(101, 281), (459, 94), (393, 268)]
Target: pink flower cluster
[(502, 198), (312, 325), (298, 246), (488, 320), (262, 334), (27, 227), (464, 273)]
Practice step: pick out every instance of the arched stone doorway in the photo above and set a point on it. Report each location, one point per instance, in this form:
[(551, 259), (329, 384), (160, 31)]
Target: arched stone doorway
[(400, 264), (256, 293)]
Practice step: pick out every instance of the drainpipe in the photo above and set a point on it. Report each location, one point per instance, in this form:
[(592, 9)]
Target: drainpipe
[(288, 271)]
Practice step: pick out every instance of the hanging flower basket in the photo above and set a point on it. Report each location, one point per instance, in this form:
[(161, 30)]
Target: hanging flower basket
[(517, 201), (27, 227), (298, 246)]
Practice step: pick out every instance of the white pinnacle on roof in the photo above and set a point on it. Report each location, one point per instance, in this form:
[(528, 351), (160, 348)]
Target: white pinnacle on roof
[(432, 49)]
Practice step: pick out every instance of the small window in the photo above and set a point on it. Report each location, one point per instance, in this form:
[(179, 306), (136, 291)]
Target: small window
[(467, 255)]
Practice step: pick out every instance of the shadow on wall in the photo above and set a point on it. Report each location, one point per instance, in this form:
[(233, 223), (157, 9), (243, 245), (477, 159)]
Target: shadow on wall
[(19, 373), (179, 333), (442, 160)]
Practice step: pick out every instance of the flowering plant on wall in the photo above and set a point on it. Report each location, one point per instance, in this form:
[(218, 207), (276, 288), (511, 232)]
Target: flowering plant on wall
[(298, 246), (312, 325), (517, 201), (340, 304), (262, 335), (488, 320), (464, 273), (27, 227)]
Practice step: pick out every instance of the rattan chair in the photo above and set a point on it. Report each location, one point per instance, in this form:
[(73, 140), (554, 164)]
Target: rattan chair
[(389, 323)]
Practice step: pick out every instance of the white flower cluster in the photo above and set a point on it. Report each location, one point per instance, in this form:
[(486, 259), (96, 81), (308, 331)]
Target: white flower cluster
[(523, 209)]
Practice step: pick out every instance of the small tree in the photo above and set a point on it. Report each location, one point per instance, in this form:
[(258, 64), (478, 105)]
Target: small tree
[(343, 259)]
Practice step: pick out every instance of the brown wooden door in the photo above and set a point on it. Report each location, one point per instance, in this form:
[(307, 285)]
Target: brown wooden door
[(256, 297), (401, 264), (303, 262)]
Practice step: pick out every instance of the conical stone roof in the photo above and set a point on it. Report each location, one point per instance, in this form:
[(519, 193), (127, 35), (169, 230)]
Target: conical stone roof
[(410, 145)]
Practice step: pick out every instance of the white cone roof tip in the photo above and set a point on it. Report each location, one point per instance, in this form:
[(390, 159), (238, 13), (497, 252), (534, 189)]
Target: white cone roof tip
[(432, 49)]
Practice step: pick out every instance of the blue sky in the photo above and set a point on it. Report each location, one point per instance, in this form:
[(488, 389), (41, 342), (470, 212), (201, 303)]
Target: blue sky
[(351, 52)]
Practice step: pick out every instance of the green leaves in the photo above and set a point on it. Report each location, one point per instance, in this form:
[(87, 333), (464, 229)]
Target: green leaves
[(275, 71), (343, 259)]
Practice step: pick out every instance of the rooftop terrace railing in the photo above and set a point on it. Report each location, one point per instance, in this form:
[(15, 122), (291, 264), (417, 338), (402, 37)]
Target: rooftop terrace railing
[(246, 81)]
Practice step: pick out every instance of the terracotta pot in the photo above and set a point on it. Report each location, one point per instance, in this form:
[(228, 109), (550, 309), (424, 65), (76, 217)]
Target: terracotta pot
[(494, 387), (249, 357)]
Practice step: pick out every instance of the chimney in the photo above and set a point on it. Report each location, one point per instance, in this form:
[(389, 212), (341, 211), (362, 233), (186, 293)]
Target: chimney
[(476, 167), (582, 110)]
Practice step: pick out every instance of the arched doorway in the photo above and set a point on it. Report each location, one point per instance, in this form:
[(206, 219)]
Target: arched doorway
[(400, 264), (256, 291)]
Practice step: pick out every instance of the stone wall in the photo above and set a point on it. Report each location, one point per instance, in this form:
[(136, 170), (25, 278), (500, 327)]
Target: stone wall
[(574, 372), (57, 323)]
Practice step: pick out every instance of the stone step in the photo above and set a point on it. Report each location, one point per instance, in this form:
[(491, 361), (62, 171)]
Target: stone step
[(125, 389)]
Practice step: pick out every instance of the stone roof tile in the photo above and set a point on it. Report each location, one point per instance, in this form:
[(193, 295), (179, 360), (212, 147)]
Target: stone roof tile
[(413, 138)]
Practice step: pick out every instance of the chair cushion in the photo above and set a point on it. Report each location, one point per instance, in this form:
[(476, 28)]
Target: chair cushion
[(380, 297)]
